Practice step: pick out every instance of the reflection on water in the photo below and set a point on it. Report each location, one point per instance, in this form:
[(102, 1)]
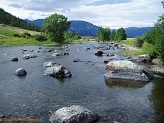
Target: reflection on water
[(125, 84), (35, 95), (157, 98)]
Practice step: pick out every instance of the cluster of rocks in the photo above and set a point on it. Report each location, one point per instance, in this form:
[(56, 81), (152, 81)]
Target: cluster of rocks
[(56, 70)]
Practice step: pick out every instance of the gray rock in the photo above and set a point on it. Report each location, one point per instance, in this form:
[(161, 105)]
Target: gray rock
[(20, 72), (57, 70), (14, 59), (49, 64), (157, 61), (56, 54), (157, 68), (142, 58), (28, 56), (74, 114), (124, 69)]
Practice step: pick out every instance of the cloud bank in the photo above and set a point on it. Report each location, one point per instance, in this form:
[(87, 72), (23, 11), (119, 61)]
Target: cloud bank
[(113, 13)]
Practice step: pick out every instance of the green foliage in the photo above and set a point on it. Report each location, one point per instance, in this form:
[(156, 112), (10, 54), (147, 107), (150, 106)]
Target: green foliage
[(54, 26), (129, 41), (8, 19), (40, 38), (7, 37), (16, 35), (121, 35), (159, 47), (148, 48), (138, 42), (71, 36), (104, 34), (113, 35)]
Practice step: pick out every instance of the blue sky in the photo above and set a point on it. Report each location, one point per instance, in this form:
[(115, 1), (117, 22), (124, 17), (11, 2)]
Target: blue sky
[(106, 13)]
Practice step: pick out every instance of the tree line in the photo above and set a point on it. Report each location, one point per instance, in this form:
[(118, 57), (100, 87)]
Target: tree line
[(8, 19), (105, 34)]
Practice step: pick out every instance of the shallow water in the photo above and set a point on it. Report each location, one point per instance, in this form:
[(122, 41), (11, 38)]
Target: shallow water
[(35, 94)]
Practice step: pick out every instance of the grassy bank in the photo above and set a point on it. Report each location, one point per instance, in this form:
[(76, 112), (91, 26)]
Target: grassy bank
[(12, 36), (133, 51)]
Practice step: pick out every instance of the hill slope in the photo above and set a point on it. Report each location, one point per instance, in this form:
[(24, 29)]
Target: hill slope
[(8, 19), (88, 29)]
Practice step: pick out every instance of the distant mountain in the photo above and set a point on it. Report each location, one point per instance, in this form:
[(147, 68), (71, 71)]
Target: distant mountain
[(137, 31), (38, 22), (88, 29), (82, 27)]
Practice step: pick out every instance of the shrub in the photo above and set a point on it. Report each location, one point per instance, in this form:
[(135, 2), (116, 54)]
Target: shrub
[(148, 48), (16, 35), (138, 42), (27, 34), (159, 47), (40, 38)]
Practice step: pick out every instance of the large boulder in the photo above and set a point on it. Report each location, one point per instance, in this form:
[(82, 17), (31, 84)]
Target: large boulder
[(56, 70), (74, 114), (124, 69), (20, 72)]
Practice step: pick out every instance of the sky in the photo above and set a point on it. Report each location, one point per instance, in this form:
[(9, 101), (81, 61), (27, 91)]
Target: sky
[(105, 13)]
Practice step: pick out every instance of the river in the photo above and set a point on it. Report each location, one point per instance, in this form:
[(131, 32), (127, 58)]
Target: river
[(36, 94)]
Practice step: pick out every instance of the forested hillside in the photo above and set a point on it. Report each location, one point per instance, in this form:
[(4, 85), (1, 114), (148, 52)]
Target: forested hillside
[(8, 19)]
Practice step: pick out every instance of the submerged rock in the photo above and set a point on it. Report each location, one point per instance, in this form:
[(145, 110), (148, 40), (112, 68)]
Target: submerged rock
[(20, 72), (56, 70), (74, 114), (124, 84), (124, 69), (14, 59)]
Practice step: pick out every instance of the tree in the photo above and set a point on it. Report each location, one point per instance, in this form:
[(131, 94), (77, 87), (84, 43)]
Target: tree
[(104, 34), (71, 36), (113, 35), (54, 26), (121, 35)]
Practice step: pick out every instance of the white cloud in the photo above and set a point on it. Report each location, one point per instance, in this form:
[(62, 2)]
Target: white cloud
[(133, 13)]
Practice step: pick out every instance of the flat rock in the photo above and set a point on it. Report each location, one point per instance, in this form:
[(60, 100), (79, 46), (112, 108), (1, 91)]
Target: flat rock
[(124, 69)]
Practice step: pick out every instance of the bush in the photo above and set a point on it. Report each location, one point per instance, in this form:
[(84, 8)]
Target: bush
[(159, 47), (40, 38), (148, 48), (138, 42), (16, 35), (27, 34)]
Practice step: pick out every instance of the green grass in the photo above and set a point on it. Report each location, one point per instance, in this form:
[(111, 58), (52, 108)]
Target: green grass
[(133, 53), (7, 37), (129, 41)]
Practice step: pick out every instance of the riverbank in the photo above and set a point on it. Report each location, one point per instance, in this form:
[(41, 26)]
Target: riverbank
[(139, 55)]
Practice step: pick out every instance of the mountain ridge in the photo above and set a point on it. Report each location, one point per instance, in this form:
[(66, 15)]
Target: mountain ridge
[(85, 28)]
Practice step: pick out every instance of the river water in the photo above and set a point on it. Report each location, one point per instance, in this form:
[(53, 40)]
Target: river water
[(36, 94)]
